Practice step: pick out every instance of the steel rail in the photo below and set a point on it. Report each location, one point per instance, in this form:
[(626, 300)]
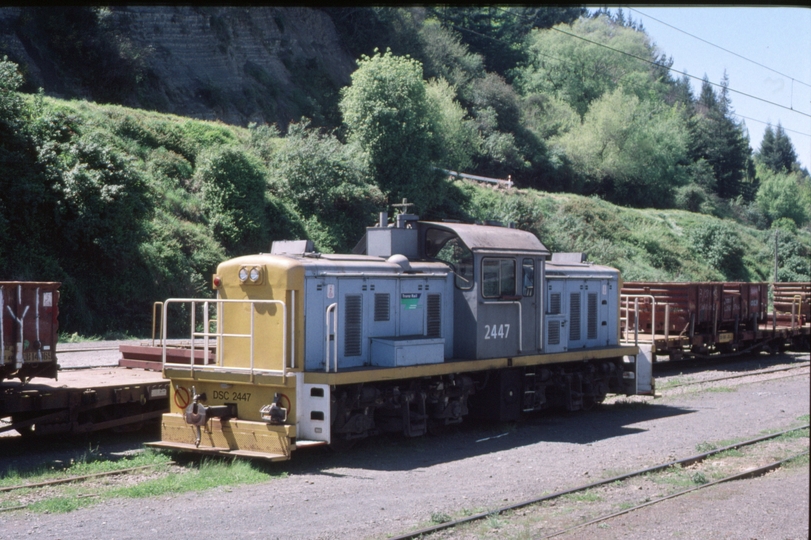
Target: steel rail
[(24, 506), (82, 477), (751, 473), (684, 461), (688, 356), (739, 376), (89, 349), (91, 366)]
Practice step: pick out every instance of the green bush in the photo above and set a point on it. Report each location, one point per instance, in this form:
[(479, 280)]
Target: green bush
[(233, 185), (329, 184), (784, 195), (720, 246)]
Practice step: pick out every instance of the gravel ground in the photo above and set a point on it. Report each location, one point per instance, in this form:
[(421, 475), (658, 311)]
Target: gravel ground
[(390, 485), (773, 507)]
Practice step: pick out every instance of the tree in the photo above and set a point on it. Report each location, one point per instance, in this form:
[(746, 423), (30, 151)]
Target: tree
[(628, 150), (776, 150), (444, 55), (496, 32), (719, 245), (506, 146), (329, 184), (784, 195), (233, 188), (10, 101), (579, 71), (720, 140), (388, 114), (457, 137)]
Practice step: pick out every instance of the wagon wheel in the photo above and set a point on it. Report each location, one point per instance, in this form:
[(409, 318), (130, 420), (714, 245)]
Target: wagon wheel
[(27, 431), (45, 428)]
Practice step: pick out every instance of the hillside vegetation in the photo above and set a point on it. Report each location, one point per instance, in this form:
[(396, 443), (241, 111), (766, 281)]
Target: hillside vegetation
[(126, 207)]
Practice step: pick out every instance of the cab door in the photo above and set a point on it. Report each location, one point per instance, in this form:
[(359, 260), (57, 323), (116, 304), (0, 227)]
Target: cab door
[(500, 310), (528, 277)]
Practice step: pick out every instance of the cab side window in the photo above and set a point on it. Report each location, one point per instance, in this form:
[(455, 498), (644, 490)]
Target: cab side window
[(528, 282), (498, 278), (448, 248)]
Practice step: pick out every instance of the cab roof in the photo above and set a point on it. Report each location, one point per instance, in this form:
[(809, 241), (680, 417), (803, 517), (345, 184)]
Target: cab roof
[(489, 238)]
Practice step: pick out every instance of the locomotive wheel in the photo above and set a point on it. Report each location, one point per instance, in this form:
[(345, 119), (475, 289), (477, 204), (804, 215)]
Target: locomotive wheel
[(437, 428), (590, 402)]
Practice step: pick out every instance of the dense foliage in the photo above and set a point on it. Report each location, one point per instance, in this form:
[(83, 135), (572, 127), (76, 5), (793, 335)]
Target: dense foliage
[(127, 207)]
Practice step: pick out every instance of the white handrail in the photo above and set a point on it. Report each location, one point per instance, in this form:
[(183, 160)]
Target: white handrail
[(293, 334), (334, 309), (219, 334)]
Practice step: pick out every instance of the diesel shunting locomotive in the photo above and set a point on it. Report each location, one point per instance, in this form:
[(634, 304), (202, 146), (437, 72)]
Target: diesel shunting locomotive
[(425, 323)]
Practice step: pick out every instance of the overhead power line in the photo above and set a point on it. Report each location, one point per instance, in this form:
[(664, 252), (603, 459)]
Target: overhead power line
[(462, 29), (719, 47), (679, 72), (769, 123)]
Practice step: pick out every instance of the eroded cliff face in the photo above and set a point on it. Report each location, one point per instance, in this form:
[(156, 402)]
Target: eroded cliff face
[(234, 64)]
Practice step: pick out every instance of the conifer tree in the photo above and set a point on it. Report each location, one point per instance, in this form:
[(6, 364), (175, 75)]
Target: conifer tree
[(720, 140), (776, 150)]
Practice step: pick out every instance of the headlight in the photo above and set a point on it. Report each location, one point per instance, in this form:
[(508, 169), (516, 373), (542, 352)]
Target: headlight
[(251, 275)]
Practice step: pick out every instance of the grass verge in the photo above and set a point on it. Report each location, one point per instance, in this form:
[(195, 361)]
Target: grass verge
[(165, 478)]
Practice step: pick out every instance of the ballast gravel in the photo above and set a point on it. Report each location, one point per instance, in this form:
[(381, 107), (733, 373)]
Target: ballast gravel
[(388, 486)]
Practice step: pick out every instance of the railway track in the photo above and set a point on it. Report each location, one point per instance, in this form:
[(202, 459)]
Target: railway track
[(683, 462), (74, 479), (756, 373), (85, 349), (752, 473)]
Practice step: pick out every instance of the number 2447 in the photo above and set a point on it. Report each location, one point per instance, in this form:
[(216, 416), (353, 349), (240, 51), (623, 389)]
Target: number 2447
[(496, 331)]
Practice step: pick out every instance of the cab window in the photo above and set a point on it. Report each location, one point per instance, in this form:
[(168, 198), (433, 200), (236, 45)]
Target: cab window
[(448, 248), (528, 281), (498, 278)]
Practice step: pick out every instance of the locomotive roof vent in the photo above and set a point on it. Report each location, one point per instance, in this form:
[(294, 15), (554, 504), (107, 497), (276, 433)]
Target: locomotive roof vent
[(291, 247), (569, 258)]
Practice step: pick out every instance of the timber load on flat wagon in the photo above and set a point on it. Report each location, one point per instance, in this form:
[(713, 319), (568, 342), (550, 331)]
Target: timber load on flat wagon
[(792, 302), (82, 400), (697, 320)]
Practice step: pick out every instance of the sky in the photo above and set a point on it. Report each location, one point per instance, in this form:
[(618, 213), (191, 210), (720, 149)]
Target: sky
[(767, 58)]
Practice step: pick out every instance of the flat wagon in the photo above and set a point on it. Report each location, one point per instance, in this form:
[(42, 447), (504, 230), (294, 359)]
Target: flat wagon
[(83, 399), (715, 318)]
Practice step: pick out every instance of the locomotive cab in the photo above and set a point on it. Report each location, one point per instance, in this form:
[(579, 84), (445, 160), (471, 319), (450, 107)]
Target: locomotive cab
[(495, 271)]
